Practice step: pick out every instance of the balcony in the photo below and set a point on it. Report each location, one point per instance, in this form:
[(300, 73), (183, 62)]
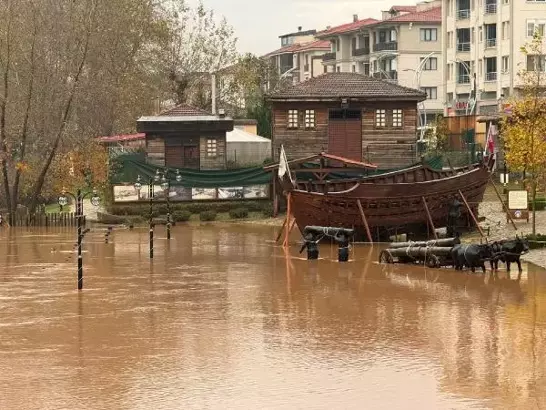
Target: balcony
[(463, 47), (463, 14), (306, 68), (388, 46), (361, 52), (463, 79), (490, 42), (329, 56), (491, 8), (285, 68), (491, 76), (386, 75)]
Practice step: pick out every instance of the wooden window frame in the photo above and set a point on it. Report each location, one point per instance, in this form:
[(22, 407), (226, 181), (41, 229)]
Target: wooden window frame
[(211, 148), (293, 120), (310, 119), (399, 118), (380, 119)]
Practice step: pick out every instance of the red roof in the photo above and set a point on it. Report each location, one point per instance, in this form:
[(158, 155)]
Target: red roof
[(296, 48), (122, 137), (184, 110), (433, 15), (347, 28)]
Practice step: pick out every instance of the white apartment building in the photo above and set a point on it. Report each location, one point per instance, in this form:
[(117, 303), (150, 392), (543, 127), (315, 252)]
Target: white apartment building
[(405, 46), (482, 50), (300, 55)]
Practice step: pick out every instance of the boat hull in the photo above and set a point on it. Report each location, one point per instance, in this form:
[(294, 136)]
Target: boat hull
[(390, 206)]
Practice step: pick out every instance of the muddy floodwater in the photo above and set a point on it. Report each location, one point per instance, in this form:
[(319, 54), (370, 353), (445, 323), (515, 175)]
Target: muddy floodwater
[(223, 319)]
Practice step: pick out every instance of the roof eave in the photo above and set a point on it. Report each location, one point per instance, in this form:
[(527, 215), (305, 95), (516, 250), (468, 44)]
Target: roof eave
[(311, 98)]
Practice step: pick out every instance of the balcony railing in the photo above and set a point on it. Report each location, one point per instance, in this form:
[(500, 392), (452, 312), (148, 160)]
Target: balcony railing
[(285, 68), (463, 79), (463, 14), (364, 51), (306, 68), (329, 56), (491, 42), (463, 47), (386, 75), (491, 76), (389, 46), (491, 8)]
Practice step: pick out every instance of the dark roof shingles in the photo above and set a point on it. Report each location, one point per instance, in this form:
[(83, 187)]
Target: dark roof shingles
[(184, 110), (347, 85)]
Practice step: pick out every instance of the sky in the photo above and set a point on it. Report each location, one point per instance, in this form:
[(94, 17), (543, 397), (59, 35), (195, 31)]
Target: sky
[(259, 23)]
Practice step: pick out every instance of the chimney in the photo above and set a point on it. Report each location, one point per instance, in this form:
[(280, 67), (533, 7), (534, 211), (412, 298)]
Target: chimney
[(355, 18), (299, 28)]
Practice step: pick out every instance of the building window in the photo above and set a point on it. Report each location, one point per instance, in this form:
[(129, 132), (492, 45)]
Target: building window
[(309, 119), (397, 118), (292, 118), (338, 69), (353, 68), (535, 25), (325, 68), (380, 118), (431, 64), (432, 92), (212, 147), (536, 63), (429, 34), (505, 63)]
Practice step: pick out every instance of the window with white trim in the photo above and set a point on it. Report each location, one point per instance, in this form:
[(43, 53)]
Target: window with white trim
[(505, 64), (292, 118), (429, 34), (397, 118), (535, 25), (212, 147), (380, 118), (309, 119), (431, 64), (432, 92)]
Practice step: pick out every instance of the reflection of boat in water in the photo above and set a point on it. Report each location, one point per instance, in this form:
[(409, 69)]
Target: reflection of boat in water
[(391, 201)]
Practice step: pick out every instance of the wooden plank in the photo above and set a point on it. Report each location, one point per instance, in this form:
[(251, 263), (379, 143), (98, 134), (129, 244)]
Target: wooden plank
[(282, 229), (502, 202), (365, 221), (472, 214), (430, 218), (288, 216)]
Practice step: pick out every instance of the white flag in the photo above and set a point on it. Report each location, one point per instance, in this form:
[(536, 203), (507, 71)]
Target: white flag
[(283, 165)]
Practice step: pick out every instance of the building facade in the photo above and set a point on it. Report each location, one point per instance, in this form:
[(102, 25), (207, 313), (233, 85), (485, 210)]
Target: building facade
[(350, 115), (482, 51), (186, 137), (404, 47), (300, 55)]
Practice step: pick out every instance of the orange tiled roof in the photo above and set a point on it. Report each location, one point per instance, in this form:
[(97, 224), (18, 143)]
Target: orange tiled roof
[(433, 15), (347, 28), (295, 48)]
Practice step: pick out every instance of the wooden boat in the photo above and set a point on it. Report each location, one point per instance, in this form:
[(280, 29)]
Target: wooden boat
[(394, 202)]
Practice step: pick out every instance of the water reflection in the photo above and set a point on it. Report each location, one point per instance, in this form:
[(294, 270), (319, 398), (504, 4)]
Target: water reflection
[(221, 318)]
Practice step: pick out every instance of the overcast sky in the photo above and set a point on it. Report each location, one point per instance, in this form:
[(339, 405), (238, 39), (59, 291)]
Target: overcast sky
[(258, 23)]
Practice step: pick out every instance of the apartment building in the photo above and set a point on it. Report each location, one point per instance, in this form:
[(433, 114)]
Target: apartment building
[(300, 55), (405, 47), (482, 51)]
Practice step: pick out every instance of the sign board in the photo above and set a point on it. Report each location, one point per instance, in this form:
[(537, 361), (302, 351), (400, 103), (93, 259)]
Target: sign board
[(518, 205), (518, 200)]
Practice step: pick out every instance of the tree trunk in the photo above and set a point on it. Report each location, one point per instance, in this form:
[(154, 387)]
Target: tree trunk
[(37, 189)]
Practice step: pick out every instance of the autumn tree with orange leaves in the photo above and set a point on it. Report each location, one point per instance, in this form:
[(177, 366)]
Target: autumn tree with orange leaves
[(524, 131)]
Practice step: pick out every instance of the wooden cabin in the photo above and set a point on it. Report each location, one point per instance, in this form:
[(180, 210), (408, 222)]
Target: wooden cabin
[(186, 137), (349, 115)]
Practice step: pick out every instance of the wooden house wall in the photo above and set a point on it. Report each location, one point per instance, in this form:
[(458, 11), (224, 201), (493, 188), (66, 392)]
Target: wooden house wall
[(387, 147), (155, 150)]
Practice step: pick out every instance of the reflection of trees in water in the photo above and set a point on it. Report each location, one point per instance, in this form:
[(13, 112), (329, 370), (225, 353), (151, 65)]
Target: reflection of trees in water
[(483, 329)]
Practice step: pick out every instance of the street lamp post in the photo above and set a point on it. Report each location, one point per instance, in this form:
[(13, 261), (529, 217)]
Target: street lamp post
[(138, 187), (166, 186), (78, 198)]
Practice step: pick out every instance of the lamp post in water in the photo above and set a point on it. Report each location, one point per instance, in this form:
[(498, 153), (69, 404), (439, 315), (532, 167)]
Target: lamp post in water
[(138, 187), (166, 186), (78, 199)]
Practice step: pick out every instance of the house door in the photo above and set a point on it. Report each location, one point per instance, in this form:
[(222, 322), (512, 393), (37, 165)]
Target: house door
[(191, 156), (345, 134)]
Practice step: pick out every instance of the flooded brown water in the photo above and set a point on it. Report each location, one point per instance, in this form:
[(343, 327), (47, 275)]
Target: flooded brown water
[(222, 319)]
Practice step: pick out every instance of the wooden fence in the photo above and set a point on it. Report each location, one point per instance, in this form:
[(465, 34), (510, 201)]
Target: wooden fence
[(49, 219)]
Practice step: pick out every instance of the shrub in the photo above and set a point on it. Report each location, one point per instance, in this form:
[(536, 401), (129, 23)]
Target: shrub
[(540, 204), (181, 216), (238, 213), (268, 211), (537, 241), (207, 216), (134, 220)]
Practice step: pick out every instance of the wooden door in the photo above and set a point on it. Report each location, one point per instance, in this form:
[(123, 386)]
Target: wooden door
[(345, 134), (174, 156), (191, 156)]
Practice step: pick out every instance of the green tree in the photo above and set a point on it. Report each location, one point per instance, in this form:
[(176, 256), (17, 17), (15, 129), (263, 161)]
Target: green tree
[(524, 130)]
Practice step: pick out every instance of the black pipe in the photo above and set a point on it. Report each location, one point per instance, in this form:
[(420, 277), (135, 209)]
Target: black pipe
[(79, 214), (150, 194)]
